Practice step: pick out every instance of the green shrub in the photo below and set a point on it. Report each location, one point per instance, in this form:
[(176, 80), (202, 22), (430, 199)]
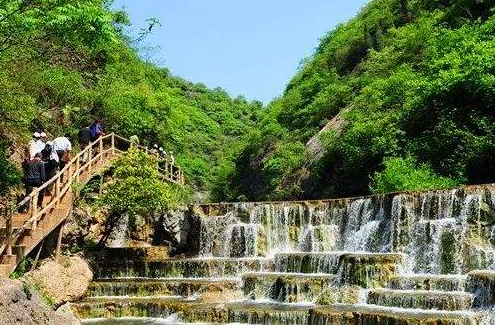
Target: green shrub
[(405, 174), (137, 187)]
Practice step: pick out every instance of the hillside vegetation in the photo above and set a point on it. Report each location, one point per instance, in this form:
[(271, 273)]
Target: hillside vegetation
[(401, 97), (408, 87), (65, 62)]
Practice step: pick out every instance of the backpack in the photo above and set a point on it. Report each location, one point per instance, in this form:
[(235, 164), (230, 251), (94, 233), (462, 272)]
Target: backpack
[(47, 152)]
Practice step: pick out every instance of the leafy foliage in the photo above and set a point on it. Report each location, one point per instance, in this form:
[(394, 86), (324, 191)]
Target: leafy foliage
[(411, 79), (138, 187), (63, 63), (405, 175)]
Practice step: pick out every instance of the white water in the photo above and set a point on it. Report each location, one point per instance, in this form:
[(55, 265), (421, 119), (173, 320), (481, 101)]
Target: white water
[(440, 232)]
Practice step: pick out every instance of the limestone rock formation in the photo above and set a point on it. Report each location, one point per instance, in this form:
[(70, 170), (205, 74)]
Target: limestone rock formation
[(62, 281), (21, 304), (315, 144)]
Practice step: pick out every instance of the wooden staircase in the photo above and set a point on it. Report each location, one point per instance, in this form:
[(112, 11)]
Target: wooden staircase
[(21, 232)]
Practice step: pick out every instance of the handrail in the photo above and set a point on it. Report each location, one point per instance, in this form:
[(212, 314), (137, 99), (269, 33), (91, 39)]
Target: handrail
[(62, 184)]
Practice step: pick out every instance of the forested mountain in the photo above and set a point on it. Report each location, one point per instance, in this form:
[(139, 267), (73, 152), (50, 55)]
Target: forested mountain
[(400, 97), (407, 88), (65, 62)]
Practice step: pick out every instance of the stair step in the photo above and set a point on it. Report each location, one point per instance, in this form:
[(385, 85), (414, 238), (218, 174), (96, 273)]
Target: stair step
[(9, 259), (172, 319), (5, 270), (171, 286), (329, 262), (362, 269), (421, 299), (285, 287), (187, 310), (181, 268), (3, 231), (372, 314), (439, 282), (19, 251), (135, 253), (267, 312)]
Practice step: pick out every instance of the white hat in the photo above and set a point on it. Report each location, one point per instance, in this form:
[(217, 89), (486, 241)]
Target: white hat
[(36, 135), (43, 135)]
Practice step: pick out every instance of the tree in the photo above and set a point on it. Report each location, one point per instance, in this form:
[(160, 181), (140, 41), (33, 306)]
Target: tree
[(23, 23), (137, 187)]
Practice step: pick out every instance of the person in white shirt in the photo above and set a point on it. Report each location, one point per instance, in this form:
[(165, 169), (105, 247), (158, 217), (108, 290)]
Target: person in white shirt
[(40, 143), (62, 147), (33, 146)]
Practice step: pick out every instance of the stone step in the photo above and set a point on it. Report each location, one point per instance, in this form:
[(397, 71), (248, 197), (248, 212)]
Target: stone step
[(182, 268), (188, 310), (285, 287), (171, 286), (421, 299), (373, 315), (134, 253), (362, 269), (263, 312), (439, 282), (481, 284), (172, 319)]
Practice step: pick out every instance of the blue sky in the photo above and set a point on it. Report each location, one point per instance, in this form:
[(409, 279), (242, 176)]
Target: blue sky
[(249, 48)]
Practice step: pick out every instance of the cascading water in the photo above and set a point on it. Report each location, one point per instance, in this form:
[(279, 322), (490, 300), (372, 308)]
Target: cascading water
[(407, 258)]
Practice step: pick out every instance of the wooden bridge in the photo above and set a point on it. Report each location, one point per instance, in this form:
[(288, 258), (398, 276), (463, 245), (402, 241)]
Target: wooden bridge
[(20, 233)]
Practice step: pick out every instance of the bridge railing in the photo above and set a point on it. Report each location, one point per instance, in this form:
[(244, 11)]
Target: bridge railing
[(80, 165)]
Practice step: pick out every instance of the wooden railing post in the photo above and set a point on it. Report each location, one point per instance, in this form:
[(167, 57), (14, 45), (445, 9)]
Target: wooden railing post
[(34, 210), (78, 166), (71, 172), (90, 157), (8, 232), (113, 143), (58, 248), (101, 148), (57, 190)]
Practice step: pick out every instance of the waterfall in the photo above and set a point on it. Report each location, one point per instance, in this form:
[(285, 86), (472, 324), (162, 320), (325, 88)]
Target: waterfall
[(401, 258)]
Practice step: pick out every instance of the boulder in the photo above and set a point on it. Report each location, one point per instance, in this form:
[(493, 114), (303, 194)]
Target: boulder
[(62, 281), (21, 304)]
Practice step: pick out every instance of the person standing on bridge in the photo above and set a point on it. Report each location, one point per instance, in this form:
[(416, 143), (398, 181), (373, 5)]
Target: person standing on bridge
[(50, 158), (36, 144), (96, 130), (63, 148), (34, 176), (84, 138)]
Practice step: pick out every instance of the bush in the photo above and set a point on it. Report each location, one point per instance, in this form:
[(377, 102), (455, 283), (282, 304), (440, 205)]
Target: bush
[(138, 189), (9, 174), (405, 174)]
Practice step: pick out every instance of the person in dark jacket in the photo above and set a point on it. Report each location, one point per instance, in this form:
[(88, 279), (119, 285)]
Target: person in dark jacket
[(84, 138), (50, 158), (96, 130), (34, 176)]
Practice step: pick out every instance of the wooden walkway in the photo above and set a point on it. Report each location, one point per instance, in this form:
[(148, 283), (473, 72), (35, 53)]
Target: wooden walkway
[(20, 233)]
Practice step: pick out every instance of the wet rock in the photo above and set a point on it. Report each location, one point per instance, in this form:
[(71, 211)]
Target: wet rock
[(482, 285)]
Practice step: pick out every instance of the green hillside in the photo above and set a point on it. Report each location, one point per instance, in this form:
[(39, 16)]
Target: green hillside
[(401, 97), (409, 88), (63, 63)]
